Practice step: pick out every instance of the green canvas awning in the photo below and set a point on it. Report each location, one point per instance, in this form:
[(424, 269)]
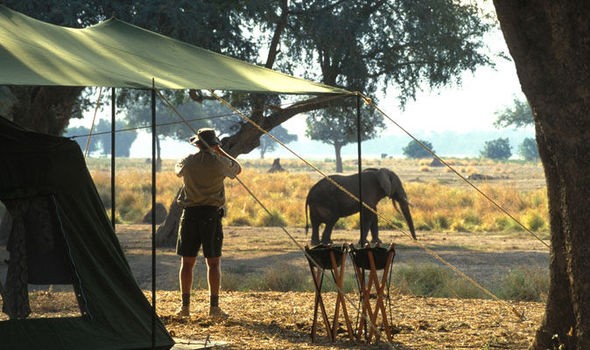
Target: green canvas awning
[(117, 54)]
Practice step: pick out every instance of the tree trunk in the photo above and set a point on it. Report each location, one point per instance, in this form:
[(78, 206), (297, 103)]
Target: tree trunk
[(167, 233), (550, 44), (338, 150)]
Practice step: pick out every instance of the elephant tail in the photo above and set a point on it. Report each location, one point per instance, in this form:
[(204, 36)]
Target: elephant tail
[(306, 216)]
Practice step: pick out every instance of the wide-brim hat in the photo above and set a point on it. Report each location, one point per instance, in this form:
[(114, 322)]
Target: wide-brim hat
[(205, 136)]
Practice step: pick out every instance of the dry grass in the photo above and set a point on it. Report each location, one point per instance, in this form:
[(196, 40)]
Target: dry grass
[(277, 320), (441, 200)]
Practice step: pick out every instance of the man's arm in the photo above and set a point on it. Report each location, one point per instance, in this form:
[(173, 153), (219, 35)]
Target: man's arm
[(179, 167), (233, 166)]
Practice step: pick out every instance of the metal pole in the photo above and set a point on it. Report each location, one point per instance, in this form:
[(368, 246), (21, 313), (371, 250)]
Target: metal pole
[(154, 136), (359, 155), (113, 112)]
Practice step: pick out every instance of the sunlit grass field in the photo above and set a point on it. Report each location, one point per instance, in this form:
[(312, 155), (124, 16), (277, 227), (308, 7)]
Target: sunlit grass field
[(441, 198)]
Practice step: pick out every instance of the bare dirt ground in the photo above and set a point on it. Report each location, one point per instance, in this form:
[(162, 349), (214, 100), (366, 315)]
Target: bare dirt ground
[(276, 320), (283, 320)]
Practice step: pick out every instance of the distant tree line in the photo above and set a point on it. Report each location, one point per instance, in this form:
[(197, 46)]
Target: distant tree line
[(518, 115)]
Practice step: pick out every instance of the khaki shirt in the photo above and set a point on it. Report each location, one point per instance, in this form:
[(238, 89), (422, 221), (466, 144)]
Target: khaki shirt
[(203, 174)]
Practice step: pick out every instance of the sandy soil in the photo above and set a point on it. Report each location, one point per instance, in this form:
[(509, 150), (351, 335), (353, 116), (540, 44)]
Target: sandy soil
[(283, 320), (275, 320)]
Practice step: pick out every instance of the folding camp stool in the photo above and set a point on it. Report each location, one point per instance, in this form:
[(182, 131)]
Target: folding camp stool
[(371, 260), (321, 258)]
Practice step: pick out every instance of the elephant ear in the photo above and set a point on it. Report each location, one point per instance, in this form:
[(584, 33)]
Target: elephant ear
[(384, 181)]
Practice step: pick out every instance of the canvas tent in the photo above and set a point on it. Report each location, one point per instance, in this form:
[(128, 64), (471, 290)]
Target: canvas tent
[(117, 54), (50, 171), (61, 235)]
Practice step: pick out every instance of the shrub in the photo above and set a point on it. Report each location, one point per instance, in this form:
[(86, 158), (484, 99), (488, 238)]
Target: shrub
[(422, 280), (284, 278), (533, 221), (240, 220), (497, 149), (441, 222), (274, 219), (524, 284), (528, 150), (414, 150)]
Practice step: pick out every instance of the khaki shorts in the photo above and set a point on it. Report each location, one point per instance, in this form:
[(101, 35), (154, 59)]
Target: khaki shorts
[(200, 226)]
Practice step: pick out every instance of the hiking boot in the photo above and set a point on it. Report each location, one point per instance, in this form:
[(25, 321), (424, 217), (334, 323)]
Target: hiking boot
[(216, 313), (184, 311)]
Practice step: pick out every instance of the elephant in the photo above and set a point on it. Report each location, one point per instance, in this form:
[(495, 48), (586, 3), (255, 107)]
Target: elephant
[(327, 203)]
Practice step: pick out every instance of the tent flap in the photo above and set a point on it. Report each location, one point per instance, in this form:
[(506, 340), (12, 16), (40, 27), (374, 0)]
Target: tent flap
[(115, 312), (117, 54)]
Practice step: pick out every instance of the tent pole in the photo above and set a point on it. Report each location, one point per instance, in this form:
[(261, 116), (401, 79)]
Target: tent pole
[(154, 136), (113, 111), (359, 160)]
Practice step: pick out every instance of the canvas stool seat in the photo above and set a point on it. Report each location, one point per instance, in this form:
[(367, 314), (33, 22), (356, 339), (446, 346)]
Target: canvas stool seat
[(372, 265), (320, 259)]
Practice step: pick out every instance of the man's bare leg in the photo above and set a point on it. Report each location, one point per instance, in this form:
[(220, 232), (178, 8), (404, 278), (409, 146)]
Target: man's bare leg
[(185, 276)]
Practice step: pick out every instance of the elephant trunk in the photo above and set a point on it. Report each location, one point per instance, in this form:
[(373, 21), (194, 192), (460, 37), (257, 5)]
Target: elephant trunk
[(405, 209)]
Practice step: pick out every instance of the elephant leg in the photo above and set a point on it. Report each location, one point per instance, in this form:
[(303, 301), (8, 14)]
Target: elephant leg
[(315, 232), (315, 226), (367, 223), (364, 232), (327, 234), (375, 231)]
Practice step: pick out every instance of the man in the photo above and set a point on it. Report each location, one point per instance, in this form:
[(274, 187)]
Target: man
[(202, 199)]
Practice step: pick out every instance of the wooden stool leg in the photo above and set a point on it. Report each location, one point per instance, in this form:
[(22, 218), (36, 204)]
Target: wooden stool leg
[(317, 276), (340, 300)]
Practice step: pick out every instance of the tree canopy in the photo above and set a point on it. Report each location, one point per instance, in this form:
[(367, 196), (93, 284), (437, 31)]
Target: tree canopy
[(280, 133), (518, 115), (358, 45), (338, 127), (100, 140), (528, 150), (497, 149), (415, 150)]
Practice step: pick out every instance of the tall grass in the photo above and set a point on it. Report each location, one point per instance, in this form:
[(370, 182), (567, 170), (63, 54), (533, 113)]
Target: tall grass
[(435, 206), (436, 281)]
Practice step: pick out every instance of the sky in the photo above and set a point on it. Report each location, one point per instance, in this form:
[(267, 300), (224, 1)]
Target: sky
[(471, 106)]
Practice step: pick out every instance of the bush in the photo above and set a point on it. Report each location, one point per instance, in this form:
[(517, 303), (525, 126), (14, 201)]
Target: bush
[(497, 149), (415, 150), (422, 280), (275, 219), (524, 284), (285, 278), (240, 220), (533, 221), (528, 150)]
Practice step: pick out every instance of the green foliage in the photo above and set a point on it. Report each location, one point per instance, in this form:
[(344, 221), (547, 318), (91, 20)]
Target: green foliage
[(414, 149), (498, 149), (240, 220), (170, 123), (528, 150), (422, 280), (267, 144), (358, 45), (524, 284), (284, 278), (275, 219), (533, 221), (100, 140), (338, 127), (519, 115)]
